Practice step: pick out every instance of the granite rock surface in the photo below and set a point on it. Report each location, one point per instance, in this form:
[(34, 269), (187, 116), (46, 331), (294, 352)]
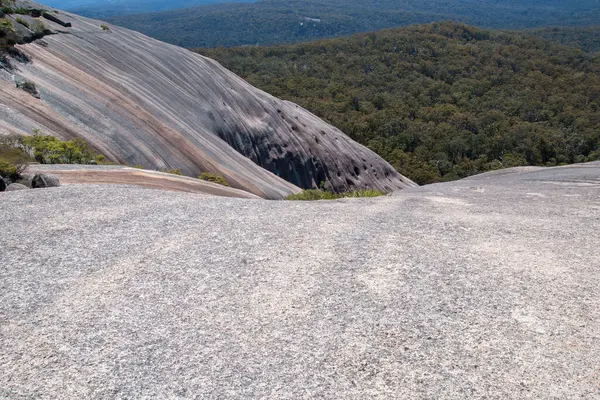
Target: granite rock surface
[(482, 288)]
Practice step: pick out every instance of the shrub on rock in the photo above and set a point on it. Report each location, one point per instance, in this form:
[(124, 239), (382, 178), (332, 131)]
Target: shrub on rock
[(214, 178)]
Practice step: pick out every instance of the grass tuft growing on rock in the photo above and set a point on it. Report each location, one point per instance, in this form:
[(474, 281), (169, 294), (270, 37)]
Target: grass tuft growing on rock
[(315, 194), (214, 178), (5, 25), (174, 171), (22, 22)]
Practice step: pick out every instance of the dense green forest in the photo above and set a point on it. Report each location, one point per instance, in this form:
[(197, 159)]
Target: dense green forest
[(585, 38), (441, 101), (290, 21), (99, 8)]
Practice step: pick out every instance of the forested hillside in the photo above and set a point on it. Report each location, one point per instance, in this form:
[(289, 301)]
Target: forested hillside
[(290, 21), (441, 101), (585, 38), (103, 9)]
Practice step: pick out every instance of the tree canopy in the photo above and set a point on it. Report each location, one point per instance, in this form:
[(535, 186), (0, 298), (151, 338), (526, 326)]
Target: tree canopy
[(440, 101), (289, 21)]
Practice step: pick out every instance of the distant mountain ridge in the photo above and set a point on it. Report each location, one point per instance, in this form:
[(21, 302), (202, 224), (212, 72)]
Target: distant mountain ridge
[(107, 8), (289, 21)]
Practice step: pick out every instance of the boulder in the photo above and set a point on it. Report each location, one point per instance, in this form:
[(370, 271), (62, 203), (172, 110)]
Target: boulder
[(25, 179), (44, 181), (15, 186), (2, 184)]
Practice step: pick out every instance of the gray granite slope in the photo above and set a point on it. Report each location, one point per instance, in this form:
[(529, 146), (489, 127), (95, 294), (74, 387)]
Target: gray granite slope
[(486, 288), (143, 102)]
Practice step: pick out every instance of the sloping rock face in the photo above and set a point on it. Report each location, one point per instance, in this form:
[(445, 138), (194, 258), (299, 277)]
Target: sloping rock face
[(482, 288), (116, 174), (143, 102)]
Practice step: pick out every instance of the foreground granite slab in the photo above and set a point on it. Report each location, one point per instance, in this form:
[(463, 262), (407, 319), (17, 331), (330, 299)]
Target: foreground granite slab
[(483, 288)]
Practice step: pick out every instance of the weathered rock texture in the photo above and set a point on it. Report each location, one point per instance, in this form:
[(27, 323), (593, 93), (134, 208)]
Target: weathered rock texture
[(42, 180), (16, 186), (141, 101), (113, 174), (487, 288)]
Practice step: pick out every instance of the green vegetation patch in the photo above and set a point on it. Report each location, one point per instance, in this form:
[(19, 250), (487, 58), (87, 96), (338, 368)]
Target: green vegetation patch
[(21, 10), (50, 150), (585, 38), (315, 194), (6, 25), (16, 152), (441, 101), (22, 22), (210, 177), (13, 159), (7, 6), (39, 29), (175, 171)]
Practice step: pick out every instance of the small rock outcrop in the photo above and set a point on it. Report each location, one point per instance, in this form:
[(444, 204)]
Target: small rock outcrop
[(16, 186), (25, 179), (54, 19), (41, 181)]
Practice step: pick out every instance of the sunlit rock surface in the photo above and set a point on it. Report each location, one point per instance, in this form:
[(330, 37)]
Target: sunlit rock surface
[(485, 288)]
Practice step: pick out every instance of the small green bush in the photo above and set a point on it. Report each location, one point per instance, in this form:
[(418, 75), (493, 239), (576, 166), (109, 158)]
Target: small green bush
[(6, 6), (50, 150), (315, 194), (210, 177), (29, 87), (39, 29), (5, 25), (13, 159), (22, 11), (175, 171), (104, 27)]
